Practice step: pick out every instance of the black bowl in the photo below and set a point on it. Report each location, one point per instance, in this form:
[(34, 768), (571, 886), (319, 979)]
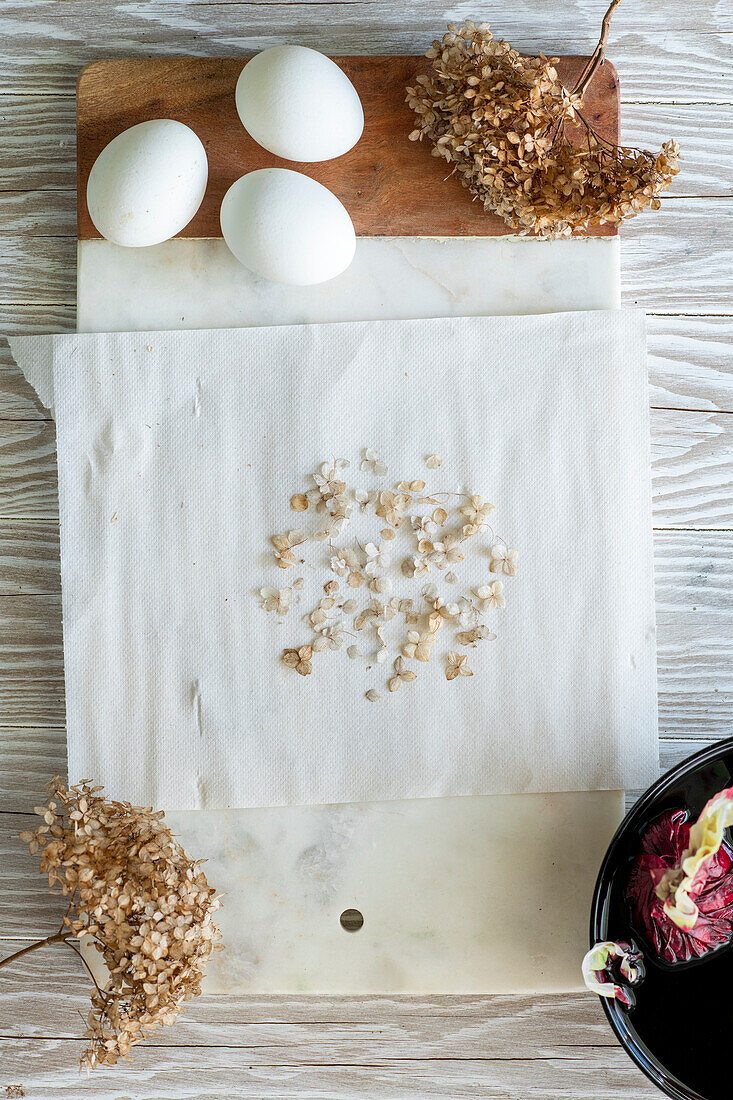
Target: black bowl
[(679, 1031)]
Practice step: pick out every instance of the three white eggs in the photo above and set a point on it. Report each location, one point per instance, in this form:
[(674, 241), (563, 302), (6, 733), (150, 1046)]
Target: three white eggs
[(148, 183)]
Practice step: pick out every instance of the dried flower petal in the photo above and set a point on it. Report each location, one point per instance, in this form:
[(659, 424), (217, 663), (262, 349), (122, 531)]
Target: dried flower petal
[(489, 597), (476, 634), (503, 559), (299, 502), (457, 666), (433, 462)]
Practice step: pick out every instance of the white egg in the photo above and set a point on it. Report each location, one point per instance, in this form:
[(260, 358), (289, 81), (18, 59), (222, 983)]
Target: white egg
[(288, 227), (298, 104), (148, 183)]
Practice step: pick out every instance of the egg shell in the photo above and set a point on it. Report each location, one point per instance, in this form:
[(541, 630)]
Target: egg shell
[(298, 104), (148, 183), (287, 227)]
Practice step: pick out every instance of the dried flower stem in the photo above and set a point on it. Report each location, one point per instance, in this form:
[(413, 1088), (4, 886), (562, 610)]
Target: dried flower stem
[(598, 54), (57, 937)]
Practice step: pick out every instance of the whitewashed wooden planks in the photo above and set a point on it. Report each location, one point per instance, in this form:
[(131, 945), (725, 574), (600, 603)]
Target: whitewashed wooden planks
[(45, 45), (378, 1047)]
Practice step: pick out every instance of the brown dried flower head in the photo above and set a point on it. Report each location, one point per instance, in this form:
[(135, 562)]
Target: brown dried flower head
[(145, 903), (518, 140)]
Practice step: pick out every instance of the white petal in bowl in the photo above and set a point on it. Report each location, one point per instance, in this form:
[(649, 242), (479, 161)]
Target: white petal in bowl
[(287, 227), (298, 104), (147, 184)]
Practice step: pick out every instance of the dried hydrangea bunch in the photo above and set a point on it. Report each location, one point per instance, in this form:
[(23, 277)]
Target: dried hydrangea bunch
[(435, 530), (518, 140), (145, 903)]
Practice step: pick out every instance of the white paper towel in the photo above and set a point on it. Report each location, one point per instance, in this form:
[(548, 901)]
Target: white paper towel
[(178, 453)]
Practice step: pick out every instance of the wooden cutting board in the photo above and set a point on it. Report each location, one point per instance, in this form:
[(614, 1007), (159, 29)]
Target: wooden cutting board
[(389, 185)]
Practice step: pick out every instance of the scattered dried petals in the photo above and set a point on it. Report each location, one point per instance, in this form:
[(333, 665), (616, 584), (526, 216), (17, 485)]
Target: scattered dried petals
[(434, 540)]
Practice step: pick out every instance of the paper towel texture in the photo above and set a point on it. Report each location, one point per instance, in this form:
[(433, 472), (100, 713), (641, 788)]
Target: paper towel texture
[(178, 454)]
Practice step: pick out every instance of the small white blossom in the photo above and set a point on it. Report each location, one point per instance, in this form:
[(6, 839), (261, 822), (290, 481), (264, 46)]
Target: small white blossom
[(334, 636), (504, 559), (377, 559), (467, 612), (415, 566), (392, 507), (344, 562), (489, 596), (373, 463), (423, 525), (446, 552), (364, 499), (276, 599)]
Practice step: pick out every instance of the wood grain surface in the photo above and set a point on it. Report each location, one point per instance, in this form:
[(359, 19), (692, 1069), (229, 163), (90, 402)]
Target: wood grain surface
[(676, 80), (391, 186)]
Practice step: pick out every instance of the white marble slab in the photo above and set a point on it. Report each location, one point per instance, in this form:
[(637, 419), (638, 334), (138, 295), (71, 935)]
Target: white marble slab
[(199, 284), (459, 895)]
